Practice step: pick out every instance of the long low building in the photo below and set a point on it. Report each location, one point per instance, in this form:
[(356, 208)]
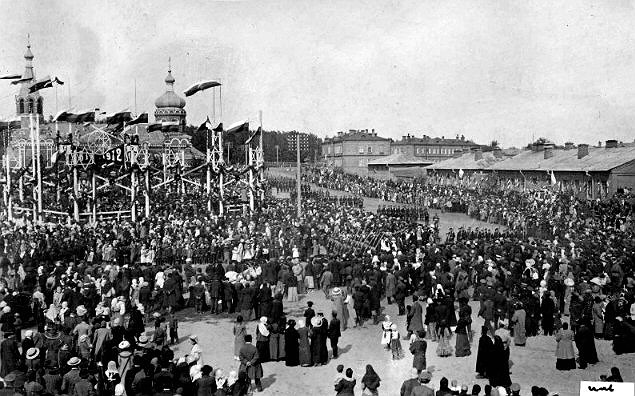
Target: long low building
[(591, 171)]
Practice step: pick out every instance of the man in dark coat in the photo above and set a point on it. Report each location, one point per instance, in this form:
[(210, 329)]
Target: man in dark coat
[(9, 354), (409, 384), (334, 333), (250, 362)]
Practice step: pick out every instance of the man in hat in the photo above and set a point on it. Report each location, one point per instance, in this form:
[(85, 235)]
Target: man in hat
[(422, 389), (309, 313), (409, 384), (72, 377), (250, 363)]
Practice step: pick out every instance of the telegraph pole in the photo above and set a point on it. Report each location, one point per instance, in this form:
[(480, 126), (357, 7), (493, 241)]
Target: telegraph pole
[(298, 175)]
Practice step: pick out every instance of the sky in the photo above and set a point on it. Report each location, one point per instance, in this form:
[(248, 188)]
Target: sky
[(491, 70)]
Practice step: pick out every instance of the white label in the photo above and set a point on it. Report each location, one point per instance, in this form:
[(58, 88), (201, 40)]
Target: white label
[(598, 388)]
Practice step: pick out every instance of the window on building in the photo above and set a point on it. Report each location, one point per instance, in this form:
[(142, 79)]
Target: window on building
[(362, 163), (29, 105), (40, 105), (361, 149), (338, 149), (21, 106), (370, 150)]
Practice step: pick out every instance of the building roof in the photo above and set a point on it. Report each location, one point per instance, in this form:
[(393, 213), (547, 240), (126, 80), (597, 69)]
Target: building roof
[(406, 140), (353, 135), (599, 159), (400, 159), (466, 162)]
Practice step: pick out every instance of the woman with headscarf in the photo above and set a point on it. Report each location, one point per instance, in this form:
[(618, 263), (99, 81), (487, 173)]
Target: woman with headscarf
[(304, 349), (518, 324), (263, 331), (565, 354), (499, 367), (291, 344), (483, 355), (221, 383), (111, 378), (585, 343), (370, 381)]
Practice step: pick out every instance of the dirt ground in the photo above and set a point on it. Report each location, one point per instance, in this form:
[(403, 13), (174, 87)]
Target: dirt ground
[(533, 364)]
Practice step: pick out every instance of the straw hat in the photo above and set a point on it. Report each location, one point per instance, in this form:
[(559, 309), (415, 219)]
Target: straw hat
[(336, 291), (74, 361), (316, 322), (32, 353), (123, 345)]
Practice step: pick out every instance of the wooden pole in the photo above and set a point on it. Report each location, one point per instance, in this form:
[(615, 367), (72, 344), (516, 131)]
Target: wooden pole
[(147, 197), (251, 179), (133, 195), (94, 197), (298, 177), (39, 170)]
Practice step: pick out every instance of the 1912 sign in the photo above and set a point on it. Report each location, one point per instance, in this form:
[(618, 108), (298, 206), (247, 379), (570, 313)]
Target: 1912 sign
[(598, 388)]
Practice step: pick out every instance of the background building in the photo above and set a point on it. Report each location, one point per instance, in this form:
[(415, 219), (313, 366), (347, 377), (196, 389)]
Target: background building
[(591, 172), (432, 149), (353, 150)]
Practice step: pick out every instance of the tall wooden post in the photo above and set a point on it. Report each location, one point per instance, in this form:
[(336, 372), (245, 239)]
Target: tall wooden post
[(298, 177)]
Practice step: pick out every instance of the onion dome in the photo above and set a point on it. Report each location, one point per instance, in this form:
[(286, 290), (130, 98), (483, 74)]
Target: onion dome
[(28, 55), (169, 98)]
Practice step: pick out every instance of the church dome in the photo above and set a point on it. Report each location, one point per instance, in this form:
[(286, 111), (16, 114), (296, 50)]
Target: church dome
[(169, 98), (28, 55)]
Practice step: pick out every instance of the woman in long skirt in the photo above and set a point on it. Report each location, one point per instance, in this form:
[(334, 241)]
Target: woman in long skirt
[(565, 354), (444, 349), (418, 349), (291, 345), (263, 331), (274, 342), (462, 342), (239, 335), (304, 349), (483, 355), (499, 366)]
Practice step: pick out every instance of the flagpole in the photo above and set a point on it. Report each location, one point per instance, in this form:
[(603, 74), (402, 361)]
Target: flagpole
[(39, 170), (261, 172), (298, 177), (9, 198), (33, 165)]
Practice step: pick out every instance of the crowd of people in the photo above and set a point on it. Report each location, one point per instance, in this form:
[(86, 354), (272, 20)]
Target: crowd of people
[(559, 267)]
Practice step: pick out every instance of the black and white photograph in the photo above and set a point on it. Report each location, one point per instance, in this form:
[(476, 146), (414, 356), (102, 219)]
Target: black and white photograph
[(302, 197)]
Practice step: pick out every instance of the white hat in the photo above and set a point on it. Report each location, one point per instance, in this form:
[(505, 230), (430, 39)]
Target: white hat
[(119, 390)]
